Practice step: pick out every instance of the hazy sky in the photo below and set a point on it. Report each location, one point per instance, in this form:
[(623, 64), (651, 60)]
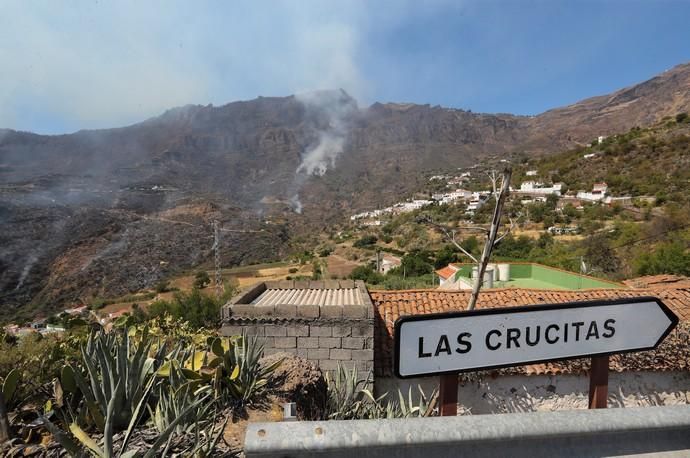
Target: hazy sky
[(69, 65)]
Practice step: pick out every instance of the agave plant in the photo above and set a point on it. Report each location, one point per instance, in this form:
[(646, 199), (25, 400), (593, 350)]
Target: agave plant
[(9, 388), (66, 400), (207, 439), (107, 449), (348, 395), (182, 388), (7, 392), (232, 367), (402, 407), (248, 378), (115, 393), (111, 360), (205, 434)]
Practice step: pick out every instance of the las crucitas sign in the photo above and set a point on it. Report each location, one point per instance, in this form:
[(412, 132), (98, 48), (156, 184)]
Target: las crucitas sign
[(501, 337)]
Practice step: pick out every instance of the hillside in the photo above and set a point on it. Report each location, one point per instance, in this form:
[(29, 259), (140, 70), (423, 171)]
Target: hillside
[(110, 211), (652, 161), (639, 105), (250, 152)]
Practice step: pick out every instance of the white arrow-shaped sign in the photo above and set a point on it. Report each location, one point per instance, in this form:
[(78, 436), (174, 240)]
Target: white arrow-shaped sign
[(501, 337)]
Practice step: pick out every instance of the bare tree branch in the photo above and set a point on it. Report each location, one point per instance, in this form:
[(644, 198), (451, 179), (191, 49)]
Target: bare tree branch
[(475, 228), (508, 231), (494, 179), (488, 246), (449, 236)]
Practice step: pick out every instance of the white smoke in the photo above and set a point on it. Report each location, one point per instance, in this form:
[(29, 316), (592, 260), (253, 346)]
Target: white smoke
[(25, 272), (317, 160), (296, 204), (331, 113)]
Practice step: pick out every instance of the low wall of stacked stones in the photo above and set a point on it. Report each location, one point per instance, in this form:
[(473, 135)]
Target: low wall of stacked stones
[(329, 335)]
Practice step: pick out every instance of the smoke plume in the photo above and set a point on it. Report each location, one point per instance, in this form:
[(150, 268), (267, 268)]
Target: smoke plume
[(329, 114), (25, 271), (317, 160)]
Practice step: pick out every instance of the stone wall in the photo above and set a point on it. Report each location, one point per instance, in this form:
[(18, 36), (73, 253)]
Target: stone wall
[(532, 393), (327, 335)]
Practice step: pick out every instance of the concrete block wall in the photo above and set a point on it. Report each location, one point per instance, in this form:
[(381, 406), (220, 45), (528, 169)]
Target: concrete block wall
[(326, 335)]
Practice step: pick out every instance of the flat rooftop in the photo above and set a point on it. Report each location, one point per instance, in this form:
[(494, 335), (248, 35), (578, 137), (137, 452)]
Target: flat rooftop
[(312, 299), (310, 296), (305, 292), (538, 276)]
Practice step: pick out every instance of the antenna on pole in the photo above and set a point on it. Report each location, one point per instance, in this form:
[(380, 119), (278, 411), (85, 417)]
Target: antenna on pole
[(216, 255)]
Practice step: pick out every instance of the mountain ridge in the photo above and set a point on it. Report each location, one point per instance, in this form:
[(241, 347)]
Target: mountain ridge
[(85, 204)]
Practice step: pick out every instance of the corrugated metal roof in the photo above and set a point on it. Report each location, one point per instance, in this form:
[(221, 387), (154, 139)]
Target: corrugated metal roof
[(310, 296)]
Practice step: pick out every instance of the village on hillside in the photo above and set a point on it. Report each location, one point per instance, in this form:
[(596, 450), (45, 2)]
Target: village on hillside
[(529, 191), (310, 229)]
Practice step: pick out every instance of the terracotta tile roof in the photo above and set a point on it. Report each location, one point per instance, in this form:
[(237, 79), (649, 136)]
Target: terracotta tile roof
[(673, 354), (659, 281), (446, 272)]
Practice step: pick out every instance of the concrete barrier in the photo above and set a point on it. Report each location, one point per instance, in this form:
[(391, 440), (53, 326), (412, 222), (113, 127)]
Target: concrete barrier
[(650, 431)]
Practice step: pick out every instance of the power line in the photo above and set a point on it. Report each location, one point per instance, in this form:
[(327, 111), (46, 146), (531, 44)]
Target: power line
[(633, 242), (217, 229), (186, 223)]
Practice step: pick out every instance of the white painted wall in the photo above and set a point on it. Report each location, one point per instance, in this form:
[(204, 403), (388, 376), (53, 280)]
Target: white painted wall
[(521, 393)]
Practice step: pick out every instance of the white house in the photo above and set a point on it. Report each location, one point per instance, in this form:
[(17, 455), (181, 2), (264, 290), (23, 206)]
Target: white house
[(371, 214), (597, 194), (473, 206), (458, 194), (446, 275), (416, 204), (535, 187), (388, 262), (563, 230), (52, 328), (532, 200), (531, 173), (478, 199), (622, 200)]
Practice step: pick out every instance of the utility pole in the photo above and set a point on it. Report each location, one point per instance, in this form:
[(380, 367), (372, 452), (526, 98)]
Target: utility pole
[(216, 255), (493, 232), (583, 271), (448, 383)]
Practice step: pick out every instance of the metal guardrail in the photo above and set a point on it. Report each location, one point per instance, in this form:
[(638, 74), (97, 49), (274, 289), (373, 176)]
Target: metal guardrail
[(650, 431)]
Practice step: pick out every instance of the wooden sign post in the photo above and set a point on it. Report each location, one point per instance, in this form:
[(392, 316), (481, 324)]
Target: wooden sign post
[(447, 344), (448, 395), (599, 382)]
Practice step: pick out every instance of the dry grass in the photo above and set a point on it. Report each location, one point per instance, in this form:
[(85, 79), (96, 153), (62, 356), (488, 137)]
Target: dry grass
[(242, 277), (340, 266)]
